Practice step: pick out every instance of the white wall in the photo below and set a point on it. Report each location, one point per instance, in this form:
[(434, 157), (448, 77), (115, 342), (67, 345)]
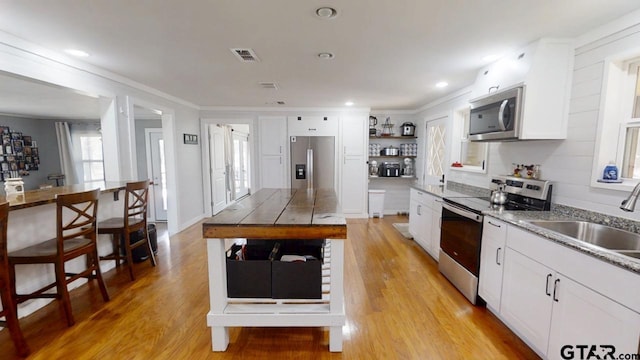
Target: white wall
[(568, 163), (183, 161)]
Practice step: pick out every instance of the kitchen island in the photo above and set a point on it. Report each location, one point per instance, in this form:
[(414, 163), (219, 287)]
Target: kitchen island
[(276, 214)]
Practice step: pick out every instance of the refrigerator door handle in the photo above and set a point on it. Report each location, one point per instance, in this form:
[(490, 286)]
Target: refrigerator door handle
[(309, 169)]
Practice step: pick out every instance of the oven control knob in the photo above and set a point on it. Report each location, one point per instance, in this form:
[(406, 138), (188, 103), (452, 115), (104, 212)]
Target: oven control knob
[(533, 187)]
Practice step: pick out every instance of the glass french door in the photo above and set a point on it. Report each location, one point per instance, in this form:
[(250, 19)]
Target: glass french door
[(241, 164)]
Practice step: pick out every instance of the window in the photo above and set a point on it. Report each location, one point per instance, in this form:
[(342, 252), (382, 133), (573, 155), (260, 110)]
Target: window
[(87, 152), (630, 129), (468, 156), (91, 157)]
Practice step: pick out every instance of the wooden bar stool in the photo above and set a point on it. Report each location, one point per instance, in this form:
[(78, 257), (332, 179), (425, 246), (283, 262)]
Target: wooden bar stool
[(76, 218), (134, 220), (8, 306)]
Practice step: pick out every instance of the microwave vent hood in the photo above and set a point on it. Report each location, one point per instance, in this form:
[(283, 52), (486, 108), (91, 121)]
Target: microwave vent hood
[(497, 116)]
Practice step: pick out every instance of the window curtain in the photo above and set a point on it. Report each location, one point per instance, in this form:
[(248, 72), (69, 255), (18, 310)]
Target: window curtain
[(228, 162), (65, 150)]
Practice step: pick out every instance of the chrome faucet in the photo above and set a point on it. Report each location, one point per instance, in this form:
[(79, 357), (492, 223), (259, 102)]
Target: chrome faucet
[(630, 203)]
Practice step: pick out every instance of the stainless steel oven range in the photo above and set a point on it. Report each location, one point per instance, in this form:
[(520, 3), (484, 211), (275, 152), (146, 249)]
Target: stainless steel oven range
[(461, 228)]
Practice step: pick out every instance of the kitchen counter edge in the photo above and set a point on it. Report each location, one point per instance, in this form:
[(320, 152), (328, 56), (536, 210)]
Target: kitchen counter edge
[(520, 218), (40, 197)]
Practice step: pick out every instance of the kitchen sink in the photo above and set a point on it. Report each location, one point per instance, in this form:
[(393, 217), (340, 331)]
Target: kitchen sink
[(624, 242)]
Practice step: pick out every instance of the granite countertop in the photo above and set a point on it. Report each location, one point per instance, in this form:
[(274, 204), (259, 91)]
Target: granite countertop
[(453, 189), (558, 212), (521, 218), (39, 197)]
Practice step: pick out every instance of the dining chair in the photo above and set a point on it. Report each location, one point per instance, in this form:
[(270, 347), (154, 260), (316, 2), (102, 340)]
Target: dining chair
[(8, 308), (76, 217), (134, 220)]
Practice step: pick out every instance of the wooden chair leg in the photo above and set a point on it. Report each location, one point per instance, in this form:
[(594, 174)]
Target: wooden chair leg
[(129, 255), (149, 248), (63, 292), (115, 239), (98, 275), (11, 316)]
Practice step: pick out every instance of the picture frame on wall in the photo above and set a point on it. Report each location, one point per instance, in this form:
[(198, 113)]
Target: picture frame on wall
[(18, 153)]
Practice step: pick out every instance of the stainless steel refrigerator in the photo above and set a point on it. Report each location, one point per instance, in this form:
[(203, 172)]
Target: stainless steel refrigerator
[(313, 162)]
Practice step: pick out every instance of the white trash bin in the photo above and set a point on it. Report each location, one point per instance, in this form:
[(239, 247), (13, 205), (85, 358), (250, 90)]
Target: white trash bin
[(376, 203)]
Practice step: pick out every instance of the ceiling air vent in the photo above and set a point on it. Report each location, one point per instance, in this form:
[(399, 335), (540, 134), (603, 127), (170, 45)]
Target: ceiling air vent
[(268, 85), (245, 55)]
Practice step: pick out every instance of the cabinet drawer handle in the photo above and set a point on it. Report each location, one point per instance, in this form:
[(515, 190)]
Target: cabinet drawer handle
[(498, 256), (546, 289), (555, 288), (496, 225), (418, 209), (310, 129)]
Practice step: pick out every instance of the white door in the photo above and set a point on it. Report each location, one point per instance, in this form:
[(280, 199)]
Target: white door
[(436, 145), (217, 169), (158, 174), (241, 163)]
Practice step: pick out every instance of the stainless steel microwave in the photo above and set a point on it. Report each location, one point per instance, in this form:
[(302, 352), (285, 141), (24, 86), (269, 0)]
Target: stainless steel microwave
[(496, 117)]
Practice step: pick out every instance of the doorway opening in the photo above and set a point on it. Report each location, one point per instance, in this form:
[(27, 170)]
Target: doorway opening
[(229, 163), (150, 152)]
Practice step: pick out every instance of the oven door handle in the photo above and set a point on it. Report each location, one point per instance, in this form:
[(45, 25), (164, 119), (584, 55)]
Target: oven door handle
[(462, 212)]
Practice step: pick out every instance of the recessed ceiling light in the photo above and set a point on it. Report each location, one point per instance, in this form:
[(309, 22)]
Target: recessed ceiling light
[(349, 103), (326, 12), (442, 84), (76, 52), (326, 55)]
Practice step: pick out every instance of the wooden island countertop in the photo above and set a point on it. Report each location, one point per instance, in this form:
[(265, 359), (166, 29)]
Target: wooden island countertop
[(280, 214), (39, 197)]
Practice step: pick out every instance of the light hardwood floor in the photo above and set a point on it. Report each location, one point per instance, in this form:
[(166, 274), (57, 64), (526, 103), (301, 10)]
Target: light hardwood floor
[(398, 307)]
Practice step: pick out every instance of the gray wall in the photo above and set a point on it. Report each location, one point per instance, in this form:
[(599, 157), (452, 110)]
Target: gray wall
[(44, 132), (141, 149)]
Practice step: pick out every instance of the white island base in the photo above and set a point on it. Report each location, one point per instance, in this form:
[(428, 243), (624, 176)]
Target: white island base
[(229, 312)]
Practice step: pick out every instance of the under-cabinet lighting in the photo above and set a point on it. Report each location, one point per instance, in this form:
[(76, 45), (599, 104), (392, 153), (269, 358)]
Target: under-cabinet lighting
[(349, 103), (442, 84)]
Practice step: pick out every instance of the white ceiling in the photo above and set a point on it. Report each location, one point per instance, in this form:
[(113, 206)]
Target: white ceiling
[(388, 54)]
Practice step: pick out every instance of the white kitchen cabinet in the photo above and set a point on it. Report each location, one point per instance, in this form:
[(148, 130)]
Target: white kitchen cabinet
[(581, 316), (436, 219), (419, 217), (353, 191), (273, 151), (424, 221), (545, 67), (527, 298), (312, 125), (554, 297), (272, 171), (494, 237)]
